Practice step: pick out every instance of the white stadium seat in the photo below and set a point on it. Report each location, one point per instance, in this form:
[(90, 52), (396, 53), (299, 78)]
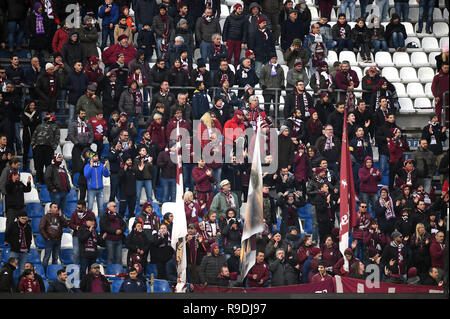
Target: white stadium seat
[(425, 74), (400, 89), (332, 57), (401, 59), (130, 223), (428, 91), (408, 74), (383, 59), (349, 56), (62, 135), (31, 197), (314, 13), (416, 41), (66, 241), (406, 105), (231, 3), (24, 178), (67, 151), (391, 74), (280, 58), (445, 14), (2, 224), (413, 14), (419, 59), (415, 90), (443, 41), (360, 75), (364, 64), (440, 29), (422, 103), (437, 15), (409, 29), (430, 44), (221, 22), (224, 11), (333, 16)]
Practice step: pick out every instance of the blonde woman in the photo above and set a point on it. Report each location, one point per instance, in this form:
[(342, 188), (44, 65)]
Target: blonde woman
[(192, 209), (420, 247)]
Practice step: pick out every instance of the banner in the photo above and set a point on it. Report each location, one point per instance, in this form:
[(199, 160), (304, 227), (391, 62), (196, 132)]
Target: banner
[(322, 287)]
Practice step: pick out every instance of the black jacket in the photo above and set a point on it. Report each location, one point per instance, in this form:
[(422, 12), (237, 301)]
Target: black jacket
[(381, 135), (53, 179), (13, 233), (73, 52), (37, 42), (76, 83), (15, 193), (264, 48), (7, 279), (157, 75), (42, 91), (439, 137), (105, 90), (235, 28), (16, 10), (136, 241), (83, 236), (58, 286), (283, 273), (86, 283), (127, 181)]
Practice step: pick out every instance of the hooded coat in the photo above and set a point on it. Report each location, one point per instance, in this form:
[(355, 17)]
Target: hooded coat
[(72, 51), (338, 268), (369, 181), (210, 268)]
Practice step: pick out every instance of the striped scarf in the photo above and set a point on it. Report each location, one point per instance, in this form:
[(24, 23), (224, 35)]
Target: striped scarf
[(39, 24)]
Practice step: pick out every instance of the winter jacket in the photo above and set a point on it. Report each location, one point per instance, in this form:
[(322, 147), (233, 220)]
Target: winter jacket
[(335, 32), (109, 56), (215, 58), (108, 17), (293, 76), (133, 285), (365, 146), (172, 125), (157, 76), (145, 40), (235, 28), (434, 140), (107, 227), (382, 133), (46, 133), (145, 10), (286, 150), (263, 48), (73, 52), (392, 27), (440, 85), (369, 182), (127, 180), (14, 198), (119, 30), (426, 163), (159, 27), (283, 273), (16, 10), (46, 102), (37, 41), (90, 105), (53, 178), (210, 268), (271, 81), (219, 204), (360, 35), (51, 226), (78, 138), (105, 89), (396, 149), (204, 31), (342, 81), (437, 253), (126, 103), (231, 237), (291, 30), (12, 236), (7, 284), (86, 283), (244, 77), (338, 268), (94, 239), (135, 241), (76, 83), (77, 219), (59, 39), (200, 104), (220, 74), (88, 40), (94, 175), (292, 56), (168, 168)]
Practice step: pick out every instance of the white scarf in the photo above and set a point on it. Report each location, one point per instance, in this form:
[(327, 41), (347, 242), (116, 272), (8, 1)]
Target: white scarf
[(82, 127)]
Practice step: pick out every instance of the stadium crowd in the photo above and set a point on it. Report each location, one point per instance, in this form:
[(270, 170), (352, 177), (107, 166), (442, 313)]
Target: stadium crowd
[(122, 114)]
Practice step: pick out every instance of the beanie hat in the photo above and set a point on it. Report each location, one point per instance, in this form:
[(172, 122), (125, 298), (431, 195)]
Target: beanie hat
[(121, 37), (201, 63), (315, 251), (322, 95), (312, 111), (394, 130), (319, 170), (181, 22), (323, 63), (282, 128), (297, 41), (49, 66), (92, 87), (261, 20), (297, 63), (86, 19), (213, 245), (123, 114), (247, 87), (94, 60), (146, 204), (396, 234), (237, 5), (249, 53), (224, 182), (412, 272)]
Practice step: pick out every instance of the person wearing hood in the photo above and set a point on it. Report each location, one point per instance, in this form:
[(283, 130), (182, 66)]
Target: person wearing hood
[(122, 47), (370, 84), (344, 264), (44, 142), (438, 87), (369, 177), (60, 38), (88, 36), (114, 227), (211, 267), (341, 32), (385, 211), (31, 119), (37, 30), (182, 30), (292, 28), (263, 44), (72, 51), (7, 284), (235, 33), (254, 13), (396, 34)]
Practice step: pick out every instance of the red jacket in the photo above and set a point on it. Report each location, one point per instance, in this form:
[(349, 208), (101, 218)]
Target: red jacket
[(109, 56), (437, 253), (190, 219), (440, 84), (202, 181), (302, 256), (59, 39), (91, 74), (261, 271), (342, 82), (338, 268), (28, 285), (396, 150), (158, 134), (369, 182), (99, 127), (202, 133), (234, 123), (172, 125), (75, 220)]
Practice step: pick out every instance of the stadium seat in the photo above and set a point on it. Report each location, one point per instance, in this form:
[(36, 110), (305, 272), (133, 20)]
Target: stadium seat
[(70, 208), (224, 10), (443, 42), (5, 255), (115, 286), (416, 41), (66, 256), (157, 210), (231, 3), (358, 71), (408, 74), (415, 90), (106, 182), (2, 224), (63, 132), (44, 195), (33, 257), (332, 57), (151, 269), (35, 224), (52, 269), (114, 269), (419, 59), (39, 269), (72, 196), (1, 209), (34, 210), (67, 150), (428, 91), (440, 29), (280, 57), (409, 29), (406, 105), (425, 74), (103, 257), (2, 240), (401, 59), (130, 223), (430, 44), (445, 14), (161, 286), (40, 241), (24, 178), (46, 284), (437, 15), (390, 73), (349, 56), (400, 89), (66, 241), (413, 14), (31, 197), (422, 103)]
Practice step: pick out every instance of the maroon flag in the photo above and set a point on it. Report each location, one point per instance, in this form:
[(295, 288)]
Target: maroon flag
[(348, 217)]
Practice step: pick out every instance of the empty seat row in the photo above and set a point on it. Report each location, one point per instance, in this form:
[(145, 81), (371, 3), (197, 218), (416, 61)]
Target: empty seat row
[(408, 74), (413, 90), (404, 59)]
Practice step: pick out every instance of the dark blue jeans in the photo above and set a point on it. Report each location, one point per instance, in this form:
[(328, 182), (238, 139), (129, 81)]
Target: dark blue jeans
[(53, 248), (169, 189), (364, 4), (114, 188), (402, 9), (426, 6), (114, 249), (187, 176), (347, 43), (379, 45), (59, 198), (397, 40), (85, 265), (15, 27), (107, 32)]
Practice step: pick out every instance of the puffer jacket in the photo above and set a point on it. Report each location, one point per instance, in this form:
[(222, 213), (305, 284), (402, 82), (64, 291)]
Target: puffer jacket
[(46, 133), (159, 26), (204, 31), (235, 28), (369, 182), (426, 163), (73, 51), (210, 268), (283, 273), (76, 138), (51, 226), (126, 103), (53, 179), (269, 81), (272, 6), (187, 36), (264, 48)]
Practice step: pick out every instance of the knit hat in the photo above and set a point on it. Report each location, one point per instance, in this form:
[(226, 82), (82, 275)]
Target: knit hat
[(322, 95), (92, 154), (312, 111), (49, 66), (94, 266), (292, 11), (146, 204), (409, 160), (247, 87), (323, 63), (394, 130), (282, 128), (248, 53), (237, 5), (22, 212), (236, 248), (297, 41), (224, 182), (122, 36), (315, 251), (93, 60), (201, 63), (213, 245), (373, 68), (261, 20), (239, 112), (119, 55), (396, 234), (86, 19), (92, 87), (319, 170), (348, 251), (52, 116), (302, 147), (445, 48), (297, 63), (123, 114), (412, 272)]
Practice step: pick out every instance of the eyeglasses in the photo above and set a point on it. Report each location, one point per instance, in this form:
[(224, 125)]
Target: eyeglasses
[(363, 206)]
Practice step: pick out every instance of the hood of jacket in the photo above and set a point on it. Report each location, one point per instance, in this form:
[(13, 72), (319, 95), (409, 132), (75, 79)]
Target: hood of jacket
[(366, 159), (254, 4)]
